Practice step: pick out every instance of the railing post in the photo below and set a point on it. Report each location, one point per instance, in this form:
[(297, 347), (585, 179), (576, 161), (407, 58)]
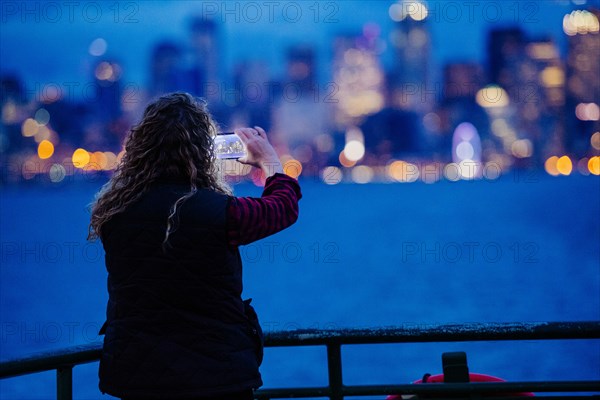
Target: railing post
[(334, 366), (64, 383)]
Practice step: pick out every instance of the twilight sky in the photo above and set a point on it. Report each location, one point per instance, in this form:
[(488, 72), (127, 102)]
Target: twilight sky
[(47, 42)]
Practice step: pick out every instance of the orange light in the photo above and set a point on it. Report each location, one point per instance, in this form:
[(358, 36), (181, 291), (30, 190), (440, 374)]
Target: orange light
[(564, 165), (345, 161), (550, 166), (292, 168), (98, 161), (80, 158), (594, 165), (45, 149), (402, 171)]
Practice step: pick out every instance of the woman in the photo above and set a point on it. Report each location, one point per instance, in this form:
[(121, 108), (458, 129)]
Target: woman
[(177, 327)]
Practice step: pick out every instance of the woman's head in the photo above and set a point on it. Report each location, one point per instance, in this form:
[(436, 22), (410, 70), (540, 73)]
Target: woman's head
[(174, 139)]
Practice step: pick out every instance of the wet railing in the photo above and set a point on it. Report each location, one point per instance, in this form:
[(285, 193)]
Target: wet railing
[(64, 360)]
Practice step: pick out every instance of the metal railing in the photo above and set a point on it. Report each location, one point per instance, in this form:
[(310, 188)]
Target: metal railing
[(64, 360)]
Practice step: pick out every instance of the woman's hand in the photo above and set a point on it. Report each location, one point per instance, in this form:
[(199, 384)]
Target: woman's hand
[(260, 152)]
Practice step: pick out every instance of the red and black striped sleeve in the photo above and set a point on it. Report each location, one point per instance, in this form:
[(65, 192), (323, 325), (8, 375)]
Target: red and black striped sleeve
[(251, 218)]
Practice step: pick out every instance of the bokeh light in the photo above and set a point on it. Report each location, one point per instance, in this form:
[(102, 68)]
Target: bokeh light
[(551, 166), (362, 174), (45, 149), (595, 140), (98, 47), (594, 165), (29, 127), (332, 175), (492, 96), (80, 158), (564, 165)]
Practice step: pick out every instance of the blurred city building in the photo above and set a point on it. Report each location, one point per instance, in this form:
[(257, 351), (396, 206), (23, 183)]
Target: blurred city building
[(410, 39), (301, 108), (582, 77), (528, 107), (166, 69)]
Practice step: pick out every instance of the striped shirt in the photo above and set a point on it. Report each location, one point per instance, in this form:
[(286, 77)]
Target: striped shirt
[(251, 218)]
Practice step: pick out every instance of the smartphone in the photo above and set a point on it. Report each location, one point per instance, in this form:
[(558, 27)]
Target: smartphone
[(228, 145)]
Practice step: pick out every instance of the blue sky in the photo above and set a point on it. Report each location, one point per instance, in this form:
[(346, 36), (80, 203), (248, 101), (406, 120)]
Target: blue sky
[(47, 42)]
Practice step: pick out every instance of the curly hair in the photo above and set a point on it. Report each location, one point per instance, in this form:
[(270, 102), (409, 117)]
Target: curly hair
[(173, 139)]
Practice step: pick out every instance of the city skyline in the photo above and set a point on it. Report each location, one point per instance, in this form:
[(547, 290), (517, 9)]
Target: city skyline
[(45, 35), (529, 104)]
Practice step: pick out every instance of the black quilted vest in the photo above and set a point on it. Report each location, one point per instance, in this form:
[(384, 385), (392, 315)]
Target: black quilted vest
[(176, 325)]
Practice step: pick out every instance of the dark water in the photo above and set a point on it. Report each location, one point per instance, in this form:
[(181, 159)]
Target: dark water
[(360, 255)]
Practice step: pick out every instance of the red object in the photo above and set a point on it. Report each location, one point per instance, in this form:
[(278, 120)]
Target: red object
[(251, 218), (472, 378)]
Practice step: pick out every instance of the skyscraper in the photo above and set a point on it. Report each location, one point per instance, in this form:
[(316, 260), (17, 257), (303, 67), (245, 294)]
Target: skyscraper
[(531, 74), (358, 78), (583, 85), (301, 67), (205, 78), (411, 42), (166, 68)]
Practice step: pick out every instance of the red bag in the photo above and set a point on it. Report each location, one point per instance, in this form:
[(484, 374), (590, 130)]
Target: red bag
[(456, 371)]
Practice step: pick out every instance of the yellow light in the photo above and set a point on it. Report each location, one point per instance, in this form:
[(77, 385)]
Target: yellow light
[(292, 168), (29, 127), (595, 140), (564, 165), (362, 174), (80, 158), (594, 165), (492, 97), (331, 175), (550, 166), (553, 77), (45, 149)]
